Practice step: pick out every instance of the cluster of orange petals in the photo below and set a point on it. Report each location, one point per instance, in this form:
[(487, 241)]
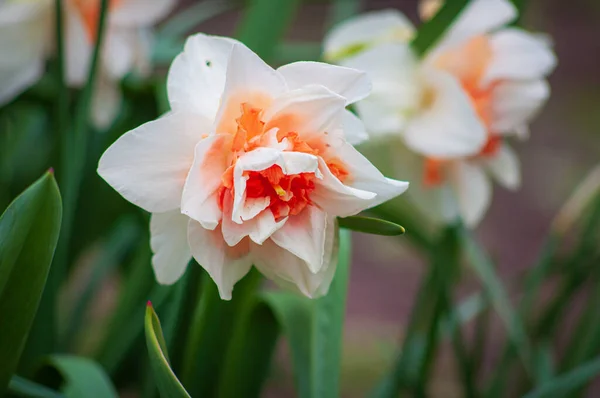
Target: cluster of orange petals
[(288, 194)]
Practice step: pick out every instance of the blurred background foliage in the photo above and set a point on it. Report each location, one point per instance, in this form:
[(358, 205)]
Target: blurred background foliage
[(464, 329)]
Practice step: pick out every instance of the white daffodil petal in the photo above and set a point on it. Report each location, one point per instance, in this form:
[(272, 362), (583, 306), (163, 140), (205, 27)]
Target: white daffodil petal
[(473, 191), (354, 129), (23, 36), (367, 29), (517, 54), (515, 104), (304, 236), (448, 125), (349, 83), (293, 273), (119, 52), (200, 200), (169, 243), (505, 167), (225, 265), (140, 13), (479, 17), (78, 49), (396, 87), (337, 199), (197, 75), (307, 111), (364, 176), (106, 102), (149, 165)]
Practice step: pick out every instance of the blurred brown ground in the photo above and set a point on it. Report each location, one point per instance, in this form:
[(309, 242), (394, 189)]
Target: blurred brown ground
[(564, 145)]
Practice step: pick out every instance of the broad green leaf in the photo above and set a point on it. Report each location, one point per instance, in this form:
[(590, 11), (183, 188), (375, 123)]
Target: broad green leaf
[(370, 225), (499, 299), (81, 377), (166, 380), (314, 329), (250, 353), (264, 24), (27, 388), (432, 30), (29, 231), (213, 323), (566, 384)]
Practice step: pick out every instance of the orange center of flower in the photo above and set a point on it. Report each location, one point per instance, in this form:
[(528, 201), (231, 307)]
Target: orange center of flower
[(469, 64), (90, 15), (288, 194)]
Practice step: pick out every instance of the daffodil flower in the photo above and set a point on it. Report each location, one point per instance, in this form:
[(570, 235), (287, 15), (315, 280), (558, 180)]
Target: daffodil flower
[(480, 83), (24, 29), (250, 167)]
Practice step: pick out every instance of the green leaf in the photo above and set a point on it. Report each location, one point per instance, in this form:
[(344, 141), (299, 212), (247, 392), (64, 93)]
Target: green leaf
[(213, 323), (370, 225), (314, 329), (192, 16), (26, 388), (277, 15), (250, 353), (563, 385), (432, 30), (29, 231), (82, 377), (499, 299), (166, 381)]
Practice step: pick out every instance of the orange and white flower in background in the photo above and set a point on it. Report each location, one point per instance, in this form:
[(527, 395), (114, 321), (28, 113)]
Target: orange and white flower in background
[(24, 31), (250, 167), (481, 83), (127, 46)]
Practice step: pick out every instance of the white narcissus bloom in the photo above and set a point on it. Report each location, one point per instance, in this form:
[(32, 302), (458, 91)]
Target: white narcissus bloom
[(479, 84), (127, 46), (24, 27), (250, 167)]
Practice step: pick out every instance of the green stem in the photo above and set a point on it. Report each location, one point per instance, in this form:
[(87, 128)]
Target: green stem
[(73, 155)]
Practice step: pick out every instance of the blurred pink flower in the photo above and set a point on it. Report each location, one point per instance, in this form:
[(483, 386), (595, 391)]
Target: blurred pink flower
[(250, 167)]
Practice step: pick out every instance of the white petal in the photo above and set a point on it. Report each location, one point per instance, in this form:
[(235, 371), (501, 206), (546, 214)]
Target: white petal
[(304, 236), (366, 177), (479, 17), (23, 35), (306, 111), (106, 102), (515, 104), (396, 87), (169, 243), (78, 49), (225, 265), (354, 128), (149, 165), (119, 52), (197, 76), (199, 200), (349, 83), (337, 199), (448, 125), (473, 191), (367, 29), (291, 272), (519, 55), (137, 13), (248, 74), (505, 167)]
